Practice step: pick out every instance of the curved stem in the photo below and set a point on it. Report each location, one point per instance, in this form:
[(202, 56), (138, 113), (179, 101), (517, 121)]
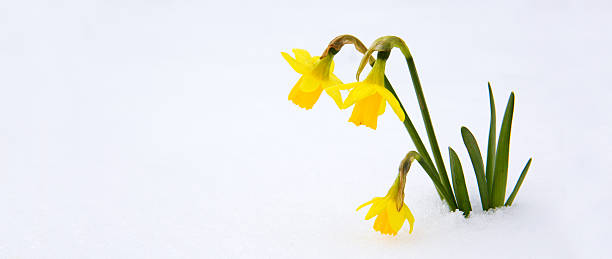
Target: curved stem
[(431, 172), (424, 158), (337, 43), (427, 121)]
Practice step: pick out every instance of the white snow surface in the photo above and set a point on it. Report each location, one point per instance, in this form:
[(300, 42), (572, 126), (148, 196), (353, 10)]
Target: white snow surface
[(162, 129)]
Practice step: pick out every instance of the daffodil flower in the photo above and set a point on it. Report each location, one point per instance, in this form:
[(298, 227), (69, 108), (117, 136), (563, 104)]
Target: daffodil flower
[(391, 212), (370, 97), (316, 76)]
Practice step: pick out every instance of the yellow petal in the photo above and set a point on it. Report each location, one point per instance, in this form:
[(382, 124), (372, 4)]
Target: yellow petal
[(366, 110), (302, 56), (343, 86), (303, 99), (382, 224), (381, 110), (359, 92), (407, 214), (297, 66), (368, 203), (334, 80), (332, 91), (335, 95), (378, 206), (315, 60), (310, 84), (396, 220), (392, 101), (295, 90)]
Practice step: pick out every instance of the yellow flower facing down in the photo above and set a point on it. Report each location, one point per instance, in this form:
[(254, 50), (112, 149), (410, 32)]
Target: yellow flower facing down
[(316, 76), (390, 215), (370, 97)]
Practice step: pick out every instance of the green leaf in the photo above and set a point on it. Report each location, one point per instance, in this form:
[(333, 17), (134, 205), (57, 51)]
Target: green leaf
[(500, 175), (476, 157), (518, 183), (463, 199), (491, 146)]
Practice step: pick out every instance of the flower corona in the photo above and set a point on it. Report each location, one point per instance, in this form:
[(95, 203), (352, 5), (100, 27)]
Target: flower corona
[(370, 98)]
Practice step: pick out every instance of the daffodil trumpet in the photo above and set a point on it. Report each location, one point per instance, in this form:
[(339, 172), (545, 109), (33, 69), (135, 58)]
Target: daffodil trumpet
[(370, 97), (391, 212)]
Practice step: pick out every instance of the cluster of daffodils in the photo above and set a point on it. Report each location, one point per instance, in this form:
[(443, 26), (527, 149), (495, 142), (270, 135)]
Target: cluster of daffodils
[(370, 96), (369, 99)]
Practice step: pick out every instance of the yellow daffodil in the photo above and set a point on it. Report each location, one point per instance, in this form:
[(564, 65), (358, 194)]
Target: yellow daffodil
[(370, 97), (390, 211), (316, 76)]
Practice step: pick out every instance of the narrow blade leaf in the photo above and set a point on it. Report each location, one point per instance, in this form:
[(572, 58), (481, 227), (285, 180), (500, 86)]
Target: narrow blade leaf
[(500, 175), (491, 145), (518, 183), (476, 157), (463, 199)]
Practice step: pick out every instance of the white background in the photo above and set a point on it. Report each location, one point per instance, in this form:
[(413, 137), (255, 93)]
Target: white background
[(162, 129)]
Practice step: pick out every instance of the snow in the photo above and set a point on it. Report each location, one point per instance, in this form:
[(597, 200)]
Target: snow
[(162, 130)]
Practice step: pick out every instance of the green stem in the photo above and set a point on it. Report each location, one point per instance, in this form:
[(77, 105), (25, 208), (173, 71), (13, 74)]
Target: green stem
[(424, 158), (428, 125), (410, 127)]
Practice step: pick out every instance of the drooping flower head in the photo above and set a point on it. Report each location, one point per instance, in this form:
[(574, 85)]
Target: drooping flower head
[(391, 212), (371, 97), (316, 76), (389, 220)]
